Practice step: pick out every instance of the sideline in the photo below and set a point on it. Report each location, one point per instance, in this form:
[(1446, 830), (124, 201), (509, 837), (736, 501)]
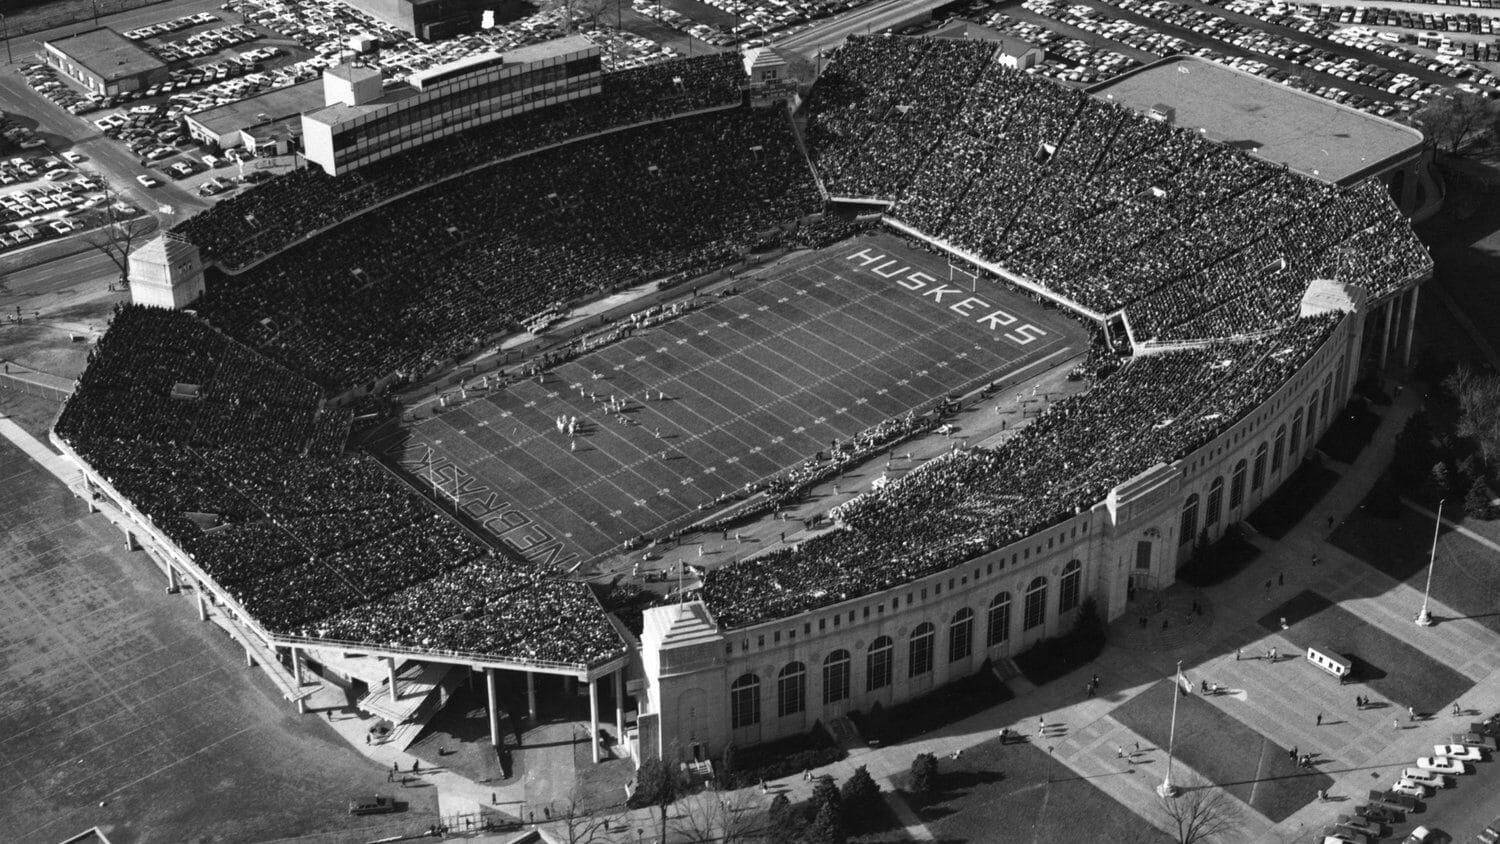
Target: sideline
[(55, 464)]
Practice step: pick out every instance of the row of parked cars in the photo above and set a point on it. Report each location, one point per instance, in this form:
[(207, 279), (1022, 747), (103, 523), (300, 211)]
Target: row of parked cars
[(173, 25), (1068, 59), (1413, 785), (205, 43), (44, 80), (1385, 16)]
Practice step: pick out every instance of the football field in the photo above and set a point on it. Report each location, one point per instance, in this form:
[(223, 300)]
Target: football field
[(735, 391)]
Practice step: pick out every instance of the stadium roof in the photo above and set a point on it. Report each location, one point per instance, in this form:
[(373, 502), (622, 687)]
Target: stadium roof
[(107, 53), (275, 104), (1281, 125)]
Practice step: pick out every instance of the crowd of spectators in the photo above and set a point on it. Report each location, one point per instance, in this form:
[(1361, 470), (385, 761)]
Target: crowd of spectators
[(416, 283), (235, 459), (277, 213), (1101, 205), (1154, 409)]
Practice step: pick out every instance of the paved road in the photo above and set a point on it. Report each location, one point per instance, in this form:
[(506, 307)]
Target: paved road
[(876, 17)]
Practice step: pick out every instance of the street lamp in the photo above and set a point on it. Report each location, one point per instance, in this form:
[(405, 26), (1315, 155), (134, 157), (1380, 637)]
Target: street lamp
[(1167, 789), (1424, 618)]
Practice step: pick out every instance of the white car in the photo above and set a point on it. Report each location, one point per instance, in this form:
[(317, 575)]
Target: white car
[(75, 157), (1426, 778), (1441, 765), (1410, 788), (148, 181), (1460, 752)]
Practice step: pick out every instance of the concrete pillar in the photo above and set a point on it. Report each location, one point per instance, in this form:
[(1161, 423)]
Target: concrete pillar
[(301, 706), (594, 718), (531, 696), (130, 543), (390, 671), (202, 607), (494, 710), (249, 657), (172, 584), (620, 705), (1385, 333), (297, 665), (1411, 327)]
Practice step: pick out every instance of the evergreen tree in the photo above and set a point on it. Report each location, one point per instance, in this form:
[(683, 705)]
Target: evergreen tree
[(860, 790), (827, 827), (924, 773), (782, 823), (824, 792), (727, 764), (1439, 478)]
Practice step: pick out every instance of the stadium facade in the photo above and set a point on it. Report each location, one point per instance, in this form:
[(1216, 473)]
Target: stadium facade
[(699, 682)]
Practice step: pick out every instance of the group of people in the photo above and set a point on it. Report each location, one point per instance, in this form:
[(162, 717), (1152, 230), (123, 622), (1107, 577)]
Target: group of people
[(1100, 204), (413, 285), (275, 214), (971, 501), (236, 461)]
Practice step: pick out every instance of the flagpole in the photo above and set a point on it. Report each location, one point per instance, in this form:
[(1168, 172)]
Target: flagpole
[(1424, 618), (1166, 789)]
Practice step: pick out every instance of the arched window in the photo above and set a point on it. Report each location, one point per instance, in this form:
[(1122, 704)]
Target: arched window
[(1189, 519), (878, 663), (1067, 587), (920, 661), (791, 689), (1296, 434), (1258, 479), (1215, 503), (836, 677), (961, 635), (1312, 421), (1279, 449), (1036, 604), (744, 701), (999, 620), (1237, 486)]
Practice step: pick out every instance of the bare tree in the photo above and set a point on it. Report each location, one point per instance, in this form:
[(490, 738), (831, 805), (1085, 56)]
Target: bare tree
[(573, 824), (721, 817), (1478, 398), (1455, 119), (120, 234), (1199, 812)]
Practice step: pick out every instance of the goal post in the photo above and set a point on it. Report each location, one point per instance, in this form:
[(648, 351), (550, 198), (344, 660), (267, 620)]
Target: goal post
[(972, 276)]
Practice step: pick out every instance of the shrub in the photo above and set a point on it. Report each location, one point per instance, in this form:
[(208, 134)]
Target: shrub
[(942, 705), (1477, 502), (860, 790), (828, 826), (824, 793), (784, 757), (1050, 659), (782, 822), (924, 773)]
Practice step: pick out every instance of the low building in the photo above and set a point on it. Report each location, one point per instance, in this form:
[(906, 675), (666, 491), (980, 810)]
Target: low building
[(105, 62), (1019, 55), (166, 273), (277, 112), (352, 130)]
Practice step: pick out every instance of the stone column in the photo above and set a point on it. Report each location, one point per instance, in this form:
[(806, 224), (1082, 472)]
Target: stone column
[(390, 671), (172, 585), (620, 705), (1411, 327), (531, 696), (594, 718), (202, 606), (494, 710), (297, 665)]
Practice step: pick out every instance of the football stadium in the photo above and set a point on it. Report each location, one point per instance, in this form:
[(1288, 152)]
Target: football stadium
[(428, 412)]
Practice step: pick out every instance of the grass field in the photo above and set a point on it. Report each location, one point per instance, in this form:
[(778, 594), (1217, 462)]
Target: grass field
[(1465, 577), (1019, 792), (1223, 750), (755, 383), (1393, 669), (118, 708)]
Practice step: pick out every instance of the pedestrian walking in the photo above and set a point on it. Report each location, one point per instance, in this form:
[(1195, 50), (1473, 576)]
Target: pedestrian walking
[(1280, 579), (1238, 652), (1411, 714), (1120, 752), (1396, 723), (1330, 523), (1320, 719), (1137, 747), (1268, 587), (1291, 752), (1315, 559), (1455, 707), (1041, 722)]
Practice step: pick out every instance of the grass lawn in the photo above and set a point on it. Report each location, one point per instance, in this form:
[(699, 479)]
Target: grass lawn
[(1395, 670), (1224, 751), (1004, 792), (1465, 577), (1277, 515)]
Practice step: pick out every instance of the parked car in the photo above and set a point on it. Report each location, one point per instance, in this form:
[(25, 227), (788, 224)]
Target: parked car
[(375, 804), (75, 157), (1490, 834), (1473, 739), (148, 181), (1410, 788), (1457, 751), (1426, 778), (1441, 765), (1338, 835), (1426, 835)]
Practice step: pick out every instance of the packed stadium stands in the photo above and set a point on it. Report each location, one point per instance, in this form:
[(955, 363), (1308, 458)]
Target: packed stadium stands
[(1101, 205), (264, 221), (234, 458)]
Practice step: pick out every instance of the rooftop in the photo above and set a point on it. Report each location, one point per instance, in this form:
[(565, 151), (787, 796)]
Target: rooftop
[(275, 104), (1281, 125), (339, 113), (107, 53), (549, 49)]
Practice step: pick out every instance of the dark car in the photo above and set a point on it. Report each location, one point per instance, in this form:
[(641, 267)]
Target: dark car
[(375, 804), (1473, 739), (1394, 799), (1379, 813)]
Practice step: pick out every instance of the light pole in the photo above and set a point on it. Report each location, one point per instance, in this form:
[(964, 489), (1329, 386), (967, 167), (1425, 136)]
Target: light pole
[(1167, 789), (1424, 618), (5, 33)]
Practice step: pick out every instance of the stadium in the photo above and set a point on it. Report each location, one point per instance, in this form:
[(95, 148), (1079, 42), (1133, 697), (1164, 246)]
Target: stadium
[(1219, 307)]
